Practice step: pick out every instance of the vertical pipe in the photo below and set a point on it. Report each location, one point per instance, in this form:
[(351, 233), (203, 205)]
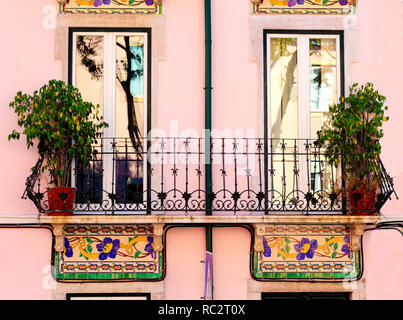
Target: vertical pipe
[(207, 124), (208, 102)]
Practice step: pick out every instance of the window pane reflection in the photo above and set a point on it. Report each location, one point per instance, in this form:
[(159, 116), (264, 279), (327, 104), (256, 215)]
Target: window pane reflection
[(323, 92), (284, 88), (283, 110), (130, 112), (89, 79), (323, 80)]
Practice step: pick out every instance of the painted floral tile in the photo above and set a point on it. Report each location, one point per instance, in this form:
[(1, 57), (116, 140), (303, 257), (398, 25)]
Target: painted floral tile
[(102, 251), (111, 6), (306, 6), (303, 251)]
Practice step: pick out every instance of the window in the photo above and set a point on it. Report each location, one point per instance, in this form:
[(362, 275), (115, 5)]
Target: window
[(111, 68), (108, 296), (303, 79), (303, 76), (306, 296)]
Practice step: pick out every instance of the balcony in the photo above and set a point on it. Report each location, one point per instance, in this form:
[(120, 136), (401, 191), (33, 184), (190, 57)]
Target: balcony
[(249, 176)]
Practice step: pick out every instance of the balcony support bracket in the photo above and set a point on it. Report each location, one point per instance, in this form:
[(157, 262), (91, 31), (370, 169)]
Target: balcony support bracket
[(158, 232), (357, 230), (259, 233), (59, 237)]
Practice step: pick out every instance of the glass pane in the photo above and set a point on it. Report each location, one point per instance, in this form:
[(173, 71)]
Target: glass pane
[(283, 115), (283, 90), (323, 92), (323, 80), (130, 113), (89, 69), (89, 179), (89, 79)]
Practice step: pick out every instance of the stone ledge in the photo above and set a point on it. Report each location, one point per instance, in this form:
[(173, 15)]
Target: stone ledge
[(156, 289), (120, 219), (256, 288)]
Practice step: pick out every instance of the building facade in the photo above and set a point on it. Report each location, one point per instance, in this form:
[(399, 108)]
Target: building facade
[(194, 192)]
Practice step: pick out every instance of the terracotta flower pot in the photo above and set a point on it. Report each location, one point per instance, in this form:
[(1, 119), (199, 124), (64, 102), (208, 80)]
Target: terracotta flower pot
[(61, 201)]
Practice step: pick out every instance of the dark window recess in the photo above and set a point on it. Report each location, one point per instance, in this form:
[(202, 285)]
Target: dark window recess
[(108, 296), (306, 296)]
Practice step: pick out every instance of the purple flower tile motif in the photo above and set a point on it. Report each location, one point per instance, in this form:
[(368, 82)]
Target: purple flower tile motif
[(97, 3), (108, 248), (149, 248), (267, 250), (292, 3), (306, 248), (346, 247), (68, 249)]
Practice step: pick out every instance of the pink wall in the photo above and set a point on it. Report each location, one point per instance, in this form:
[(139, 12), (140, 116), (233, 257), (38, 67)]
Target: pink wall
[(380, 47), (383, 252), (181, 74), (185, 249), (27, 62), (234, 75), (25, 268), (231, 247)]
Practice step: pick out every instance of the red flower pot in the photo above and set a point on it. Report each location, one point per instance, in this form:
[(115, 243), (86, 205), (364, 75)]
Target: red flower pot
[(365, 204), (61, 201)]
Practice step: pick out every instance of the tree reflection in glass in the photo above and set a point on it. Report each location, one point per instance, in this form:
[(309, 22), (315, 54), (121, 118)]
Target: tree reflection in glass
[(129, 107)]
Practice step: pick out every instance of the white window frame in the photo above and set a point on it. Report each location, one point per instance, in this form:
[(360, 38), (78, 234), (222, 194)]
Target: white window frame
[(303, 90), (303, 82), (109, 114)]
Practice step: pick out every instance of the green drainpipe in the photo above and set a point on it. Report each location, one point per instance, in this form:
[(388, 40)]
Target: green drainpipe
[(207, 127), (207, 124)]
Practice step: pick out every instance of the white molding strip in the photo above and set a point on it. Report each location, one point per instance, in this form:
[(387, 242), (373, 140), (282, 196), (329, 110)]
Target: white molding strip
[(41, 219)]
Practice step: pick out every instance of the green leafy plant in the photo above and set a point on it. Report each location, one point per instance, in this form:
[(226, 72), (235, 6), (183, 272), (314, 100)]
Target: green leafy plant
[(353, 132), (64, 126)]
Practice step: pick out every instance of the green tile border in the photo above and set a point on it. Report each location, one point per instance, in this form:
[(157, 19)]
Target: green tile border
[(307, 275)]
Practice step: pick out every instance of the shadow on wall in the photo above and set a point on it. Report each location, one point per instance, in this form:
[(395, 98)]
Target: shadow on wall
[(395, 207)]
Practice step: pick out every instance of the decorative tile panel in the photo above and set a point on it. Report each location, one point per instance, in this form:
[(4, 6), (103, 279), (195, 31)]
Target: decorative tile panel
[(93, 252), (306, 252), (305, 6), (111, 6)]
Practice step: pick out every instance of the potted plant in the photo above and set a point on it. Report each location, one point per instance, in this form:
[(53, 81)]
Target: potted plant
[(351, 138), (65, 127)]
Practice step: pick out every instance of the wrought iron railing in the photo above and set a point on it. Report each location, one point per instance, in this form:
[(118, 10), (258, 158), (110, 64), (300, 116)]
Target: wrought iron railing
[(250, 176)]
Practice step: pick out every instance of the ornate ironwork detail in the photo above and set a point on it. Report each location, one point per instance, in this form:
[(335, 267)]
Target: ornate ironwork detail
[(287, 177)]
